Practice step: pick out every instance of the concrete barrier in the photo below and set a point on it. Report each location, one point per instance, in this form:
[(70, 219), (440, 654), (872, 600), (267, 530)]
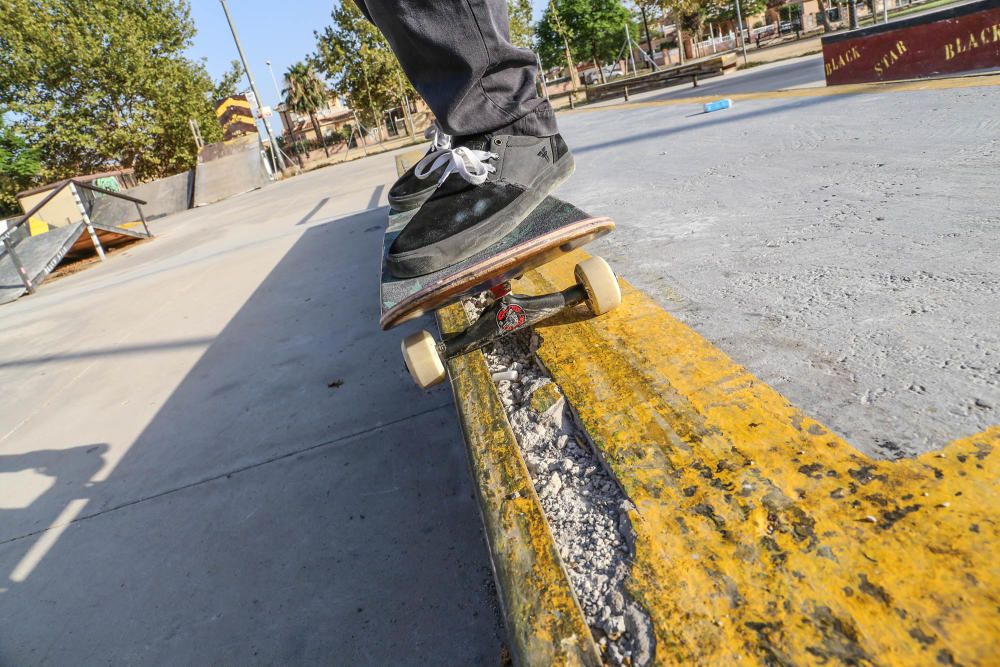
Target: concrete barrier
[(965, 38), (164, 196), (238, 169)]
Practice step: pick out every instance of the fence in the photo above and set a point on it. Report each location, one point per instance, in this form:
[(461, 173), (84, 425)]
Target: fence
[(713, 45)]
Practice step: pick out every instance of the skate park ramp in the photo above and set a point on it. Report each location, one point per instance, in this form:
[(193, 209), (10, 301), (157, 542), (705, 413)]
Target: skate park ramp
[(36, 243), (40, 255), (226, 169)]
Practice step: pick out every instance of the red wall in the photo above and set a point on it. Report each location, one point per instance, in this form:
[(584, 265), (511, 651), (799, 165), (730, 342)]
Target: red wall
[(943, 42)]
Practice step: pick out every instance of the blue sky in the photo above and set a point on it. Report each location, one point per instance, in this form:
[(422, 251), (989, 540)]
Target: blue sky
[(284, 37)]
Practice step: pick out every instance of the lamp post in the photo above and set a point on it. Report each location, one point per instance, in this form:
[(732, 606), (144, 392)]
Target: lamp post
[(273, 80), (743, 39), (277, 91), (279, 163)]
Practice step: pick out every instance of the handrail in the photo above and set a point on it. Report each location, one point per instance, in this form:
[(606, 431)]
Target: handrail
[(34, 209), (37, 207), (120, 195), (8, 244)]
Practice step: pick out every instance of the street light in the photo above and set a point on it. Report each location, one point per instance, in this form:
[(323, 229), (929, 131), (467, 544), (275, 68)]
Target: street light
[(273, 80), (284, 119), (743, 39), (279, 163)]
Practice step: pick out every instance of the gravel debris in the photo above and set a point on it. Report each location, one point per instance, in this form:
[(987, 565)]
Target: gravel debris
[(585, 508)]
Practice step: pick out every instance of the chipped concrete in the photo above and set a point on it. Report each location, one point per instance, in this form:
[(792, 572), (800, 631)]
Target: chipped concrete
[(584, 506)]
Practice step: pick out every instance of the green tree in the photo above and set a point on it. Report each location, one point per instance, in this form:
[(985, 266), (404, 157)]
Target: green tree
[(592, 28), (19, 164), (229, 84), (359, 63), (306, 94), (522, 33), (690, 16), (725, 10), (98, 84)]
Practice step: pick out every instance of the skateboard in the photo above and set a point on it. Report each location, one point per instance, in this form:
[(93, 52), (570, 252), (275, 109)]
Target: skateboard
[(553, 229)]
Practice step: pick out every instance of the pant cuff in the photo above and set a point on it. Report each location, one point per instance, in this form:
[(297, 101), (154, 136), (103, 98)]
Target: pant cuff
[(541, 122)]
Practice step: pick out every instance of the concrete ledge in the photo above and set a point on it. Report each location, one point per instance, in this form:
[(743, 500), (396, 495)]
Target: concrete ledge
[(543, 618), (962, 38), (759, 533), (545, 624)]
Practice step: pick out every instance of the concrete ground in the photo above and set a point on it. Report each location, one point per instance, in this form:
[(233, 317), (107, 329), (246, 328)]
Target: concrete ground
[(209, 453), (843, 248)]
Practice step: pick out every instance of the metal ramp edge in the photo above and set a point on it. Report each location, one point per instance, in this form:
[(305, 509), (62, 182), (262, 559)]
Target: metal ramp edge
[(124, 231), (40, 255)]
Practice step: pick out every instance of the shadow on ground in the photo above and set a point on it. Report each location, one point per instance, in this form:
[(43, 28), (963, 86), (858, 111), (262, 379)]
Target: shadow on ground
[(295, 501)]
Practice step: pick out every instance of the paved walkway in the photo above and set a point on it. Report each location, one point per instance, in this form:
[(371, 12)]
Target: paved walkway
[(210, 455), (785, 50)]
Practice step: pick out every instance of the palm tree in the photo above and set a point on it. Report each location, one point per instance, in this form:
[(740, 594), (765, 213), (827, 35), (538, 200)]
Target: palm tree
[(305, 94)]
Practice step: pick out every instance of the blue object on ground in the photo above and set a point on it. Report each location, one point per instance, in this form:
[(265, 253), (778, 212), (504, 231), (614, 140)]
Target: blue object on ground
[(718, 105)]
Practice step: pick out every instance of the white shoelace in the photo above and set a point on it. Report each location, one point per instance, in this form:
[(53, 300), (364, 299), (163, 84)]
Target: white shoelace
[(469, 163)]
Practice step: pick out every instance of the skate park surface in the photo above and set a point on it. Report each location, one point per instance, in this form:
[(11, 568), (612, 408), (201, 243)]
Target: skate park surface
[(208, 439)]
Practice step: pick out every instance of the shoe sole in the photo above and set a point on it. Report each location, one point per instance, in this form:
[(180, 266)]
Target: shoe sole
[(455, 248), (411, 201)]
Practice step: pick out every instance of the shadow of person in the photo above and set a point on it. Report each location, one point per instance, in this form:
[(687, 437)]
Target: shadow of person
[(36, 487)]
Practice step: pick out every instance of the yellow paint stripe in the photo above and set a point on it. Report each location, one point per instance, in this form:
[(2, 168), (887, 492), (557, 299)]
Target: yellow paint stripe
[(543, 617), (406, 160), (759, 533), (849, 89)]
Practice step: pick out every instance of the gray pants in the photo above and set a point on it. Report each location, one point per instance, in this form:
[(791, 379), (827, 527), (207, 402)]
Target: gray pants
[(459, 57)]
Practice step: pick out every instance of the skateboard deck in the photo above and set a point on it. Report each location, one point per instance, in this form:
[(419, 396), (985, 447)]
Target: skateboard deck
[(553, 228)]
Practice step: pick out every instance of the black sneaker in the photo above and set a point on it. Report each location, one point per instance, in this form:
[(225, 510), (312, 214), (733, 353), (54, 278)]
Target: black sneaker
[(417, 183), (498, 181)]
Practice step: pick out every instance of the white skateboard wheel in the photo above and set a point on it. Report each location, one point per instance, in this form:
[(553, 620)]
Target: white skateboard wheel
[(603, 292), (422, 359)]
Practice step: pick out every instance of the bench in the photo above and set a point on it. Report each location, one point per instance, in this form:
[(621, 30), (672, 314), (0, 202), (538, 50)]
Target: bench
[(671, 76)]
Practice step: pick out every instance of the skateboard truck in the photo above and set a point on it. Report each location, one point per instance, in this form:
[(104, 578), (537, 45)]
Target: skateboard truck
[(596, 285)]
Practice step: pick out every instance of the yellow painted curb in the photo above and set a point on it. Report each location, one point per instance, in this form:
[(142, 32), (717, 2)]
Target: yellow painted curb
[(762, 537), (406, 160), (847, 89), (544, 620), (543, 617)]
